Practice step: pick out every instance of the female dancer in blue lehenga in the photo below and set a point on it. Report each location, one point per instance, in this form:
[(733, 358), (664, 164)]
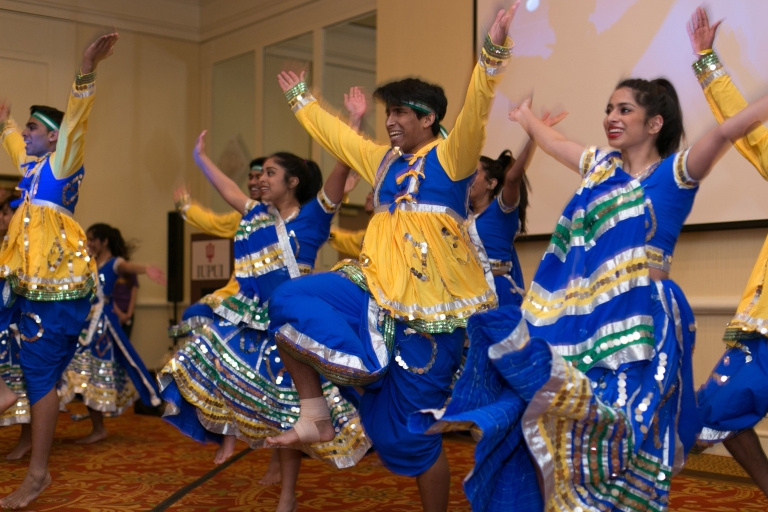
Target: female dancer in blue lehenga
[(229, 381), (499, 200), (106, 370), (603, 386)]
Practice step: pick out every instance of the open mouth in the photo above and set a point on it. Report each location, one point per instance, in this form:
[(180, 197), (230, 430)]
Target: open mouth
[(615, 133)]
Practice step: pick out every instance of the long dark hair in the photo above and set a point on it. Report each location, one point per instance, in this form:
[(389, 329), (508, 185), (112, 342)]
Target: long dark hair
[(497, 169), (115, 242), (309, 174), (659, 98)]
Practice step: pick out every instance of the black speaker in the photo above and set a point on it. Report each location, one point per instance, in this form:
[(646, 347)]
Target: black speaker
[(175, 257)]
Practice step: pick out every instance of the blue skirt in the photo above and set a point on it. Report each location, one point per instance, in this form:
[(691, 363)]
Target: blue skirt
[(735, 397), (603, 440)]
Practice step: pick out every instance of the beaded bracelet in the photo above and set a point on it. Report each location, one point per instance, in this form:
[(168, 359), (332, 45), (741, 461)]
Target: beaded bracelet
[(497, 51), (706, 64), (296, 90)]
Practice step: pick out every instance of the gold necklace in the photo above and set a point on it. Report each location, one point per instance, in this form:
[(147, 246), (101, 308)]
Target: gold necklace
[(648, 171)]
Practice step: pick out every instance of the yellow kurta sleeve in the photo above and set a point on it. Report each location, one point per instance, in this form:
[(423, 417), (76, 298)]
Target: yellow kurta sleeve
[(223, 225), (459, 153), (725, 100), (347, 242), (352, 149), (13, 143), (68, 157)]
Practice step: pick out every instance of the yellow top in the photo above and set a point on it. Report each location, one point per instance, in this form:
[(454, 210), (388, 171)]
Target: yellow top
[(726, 100), (43, 255), (223, 225), (347, 242), (418, 260)]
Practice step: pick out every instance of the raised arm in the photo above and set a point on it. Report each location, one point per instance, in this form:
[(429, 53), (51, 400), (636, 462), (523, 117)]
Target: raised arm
[(723, 97), (228, 189), (223, 225), (712, 146), (10, 136), (68, 157), (460, 151), (514, 175), (152, 272), (335, 185), (329, 131), (547, 138)]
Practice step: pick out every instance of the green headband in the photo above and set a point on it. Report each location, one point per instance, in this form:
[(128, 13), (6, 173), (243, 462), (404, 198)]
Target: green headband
[(424, 109), (47, 121)]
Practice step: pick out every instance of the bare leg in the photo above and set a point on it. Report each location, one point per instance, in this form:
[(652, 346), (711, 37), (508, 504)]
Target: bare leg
[(99, 432), (272, 476), (7, 396), (434, 485), (226, 449), (290, 463), (307, 382), (45, 413), (24, 444), (747, 451)]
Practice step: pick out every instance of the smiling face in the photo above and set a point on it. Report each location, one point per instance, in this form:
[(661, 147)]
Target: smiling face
[(254, 192), (405, 129), (625, 121), (38, 139), (274, 184)]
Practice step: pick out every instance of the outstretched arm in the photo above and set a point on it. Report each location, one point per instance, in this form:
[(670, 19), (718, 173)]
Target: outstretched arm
[(723, 97), (334, 187), (228, 189), (712, 146), (329, 131), (10, 136), (461, 150), (153, 272), (68, 157), (548, 139), (223, 225)]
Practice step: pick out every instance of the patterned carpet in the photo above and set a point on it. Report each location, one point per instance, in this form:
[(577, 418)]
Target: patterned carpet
[(146, 464)]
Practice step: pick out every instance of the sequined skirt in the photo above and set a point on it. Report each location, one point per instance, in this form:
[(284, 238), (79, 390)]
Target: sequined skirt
[(229, 380), (107, 372), (10, 372)]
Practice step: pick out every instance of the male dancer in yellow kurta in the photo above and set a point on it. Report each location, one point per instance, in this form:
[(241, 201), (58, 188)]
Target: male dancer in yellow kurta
[(394, 323), (48, 273), (735, 397)]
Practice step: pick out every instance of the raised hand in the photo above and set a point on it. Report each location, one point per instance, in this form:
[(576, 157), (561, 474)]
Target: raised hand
[(5, 110), (289, 79), (552, 121), (355, 104), (199, 150), (99, 50), (516, 113), (180, 195), (700, 32), (156, 274), (352, 180), (500, 27)]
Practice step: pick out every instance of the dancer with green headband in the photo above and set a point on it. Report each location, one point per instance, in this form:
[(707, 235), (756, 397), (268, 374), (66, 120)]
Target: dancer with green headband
[(48, 275)]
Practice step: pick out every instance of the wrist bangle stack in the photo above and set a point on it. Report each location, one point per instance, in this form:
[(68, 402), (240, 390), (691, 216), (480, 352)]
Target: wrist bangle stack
[(494, 57), (296, 90), (182, 202), (707, 68)]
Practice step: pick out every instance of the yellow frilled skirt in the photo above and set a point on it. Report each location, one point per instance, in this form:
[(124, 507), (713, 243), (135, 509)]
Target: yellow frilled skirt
[(44, 257), (751, 318), (422, 266)]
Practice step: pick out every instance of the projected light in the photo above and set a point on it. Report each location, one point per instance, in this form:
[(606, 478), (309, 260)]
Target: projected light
[(532, 5)]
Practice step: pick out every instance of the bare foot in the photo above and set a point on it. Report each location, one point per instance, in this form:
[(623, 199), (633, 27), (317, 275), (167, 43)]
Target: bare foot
[(94, 437), (226, 450), (325, 433), (29, 489), (287, 504), (21, 448), (7, 397), (272, 476)]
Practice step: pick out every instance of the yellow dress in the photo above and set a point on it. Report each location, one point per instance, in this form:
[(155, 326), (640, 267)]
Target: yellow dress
[(726, 100), (417, 258), (43, 255)]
